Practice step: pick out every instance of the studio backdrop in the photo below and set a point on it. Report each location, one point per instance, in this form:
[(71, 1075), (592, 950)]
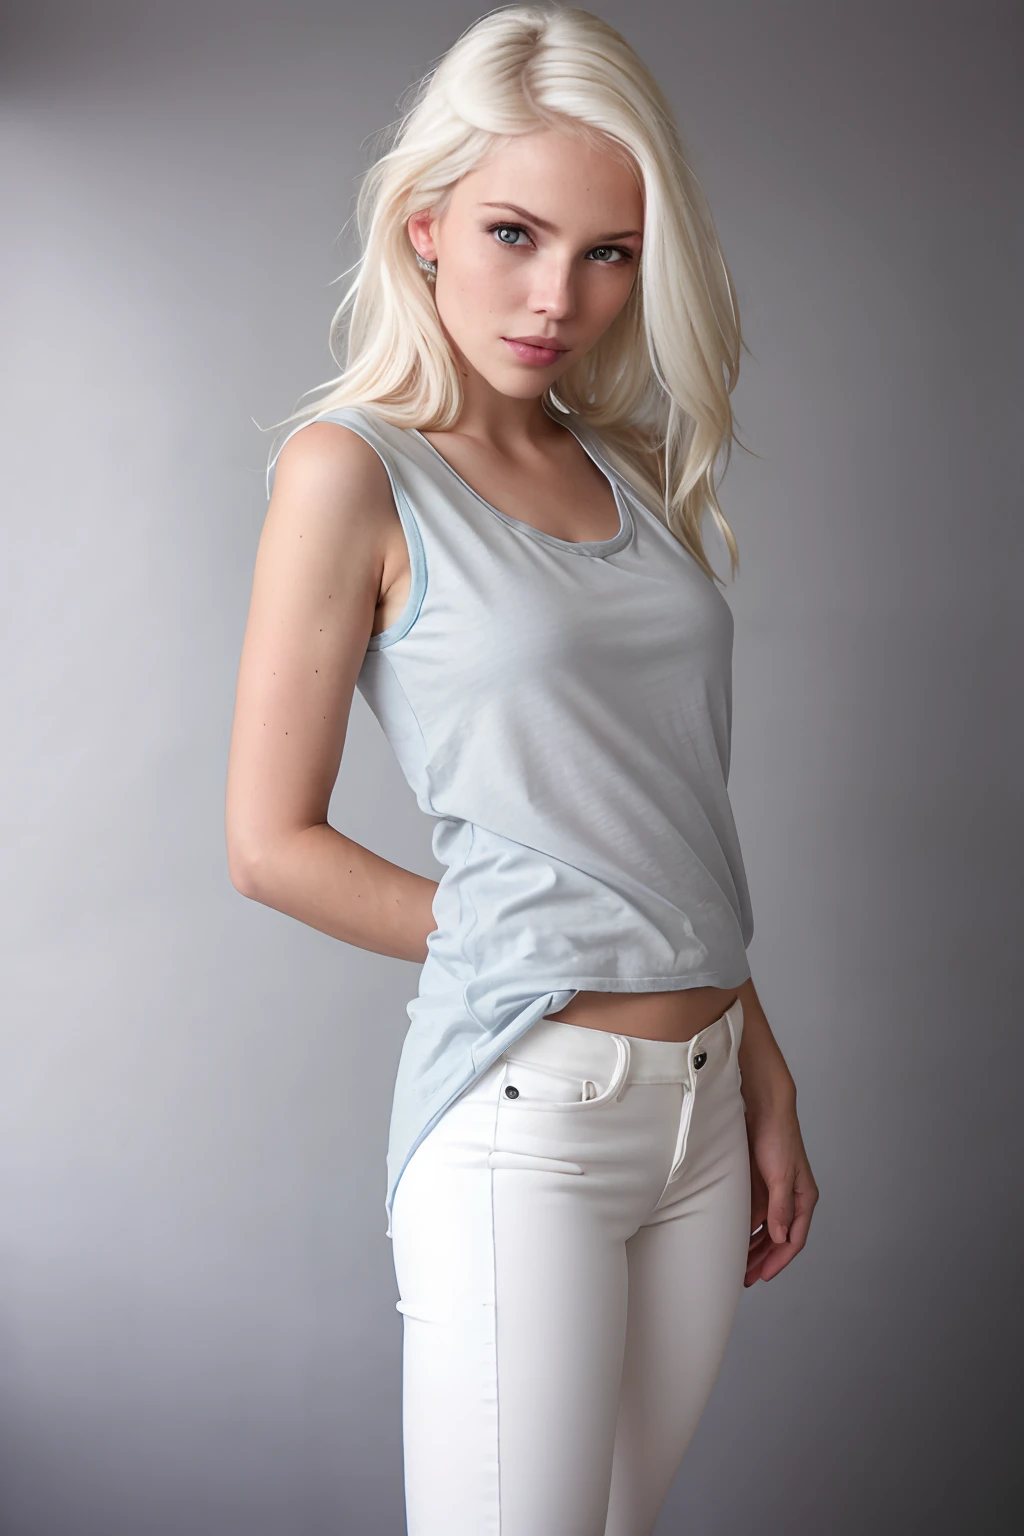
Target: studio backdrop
[(198, 1332)]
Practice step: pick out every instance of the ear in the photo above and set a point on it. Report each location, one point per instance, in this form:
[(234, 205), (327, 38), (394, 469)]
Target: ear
[(418, 226)]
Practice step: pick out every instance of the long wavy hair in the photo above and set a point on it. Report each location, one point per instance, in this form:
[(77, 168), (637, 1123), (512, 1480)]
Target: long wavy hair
[(656, 387)]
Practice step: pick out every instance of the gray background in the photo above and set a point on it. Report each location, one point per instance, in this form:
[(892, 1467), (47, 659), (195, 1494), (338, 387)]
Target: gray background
[(197, 1322)]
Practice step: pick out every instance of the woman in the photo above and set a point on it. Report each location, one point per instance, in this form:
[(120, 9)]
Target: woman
[(491, 525)]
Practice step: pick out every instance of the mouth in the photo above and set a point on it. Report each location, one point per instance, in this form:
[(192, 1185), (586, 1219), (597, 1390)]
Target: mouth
[(532, 352)]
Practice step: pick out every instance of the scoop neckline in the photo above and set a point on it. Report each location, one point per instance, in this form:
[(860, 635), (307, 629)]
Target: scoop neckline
[(595, 548)]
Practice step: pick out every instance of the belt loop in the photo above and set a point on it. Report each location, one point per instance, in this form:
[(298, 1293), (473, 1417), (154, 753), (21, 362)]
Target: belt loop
[(736, 1022), (622, 1064)]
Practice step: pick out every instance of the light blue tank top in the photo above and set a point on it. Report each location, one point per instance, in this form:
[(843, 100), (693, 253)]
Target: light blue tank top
[(564, 710)]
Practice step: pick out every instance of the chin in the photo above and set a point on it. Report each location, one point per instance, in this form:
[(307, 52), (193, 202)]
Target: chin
[(519, 388), (521, 380)]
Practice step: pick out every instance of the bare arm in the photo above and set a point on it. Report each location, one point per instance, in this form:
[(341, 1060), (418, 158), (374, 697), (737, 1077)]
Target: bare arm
[(319, 573), (767, 1081), (782, 1187)]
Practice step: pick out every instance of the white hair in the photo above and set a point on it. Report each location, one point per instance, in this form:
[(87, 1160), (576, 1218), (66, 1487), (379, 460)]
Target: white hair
[(657, 384)]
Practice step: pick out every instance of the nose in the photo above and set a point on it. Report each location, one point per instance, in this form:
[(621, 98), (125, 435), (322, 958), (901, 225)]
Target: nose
[(552, 291)]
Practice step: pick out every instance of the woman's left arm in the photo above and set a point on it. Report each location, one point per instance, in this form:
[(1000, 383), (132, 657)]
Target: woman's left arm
[(782, 1188)]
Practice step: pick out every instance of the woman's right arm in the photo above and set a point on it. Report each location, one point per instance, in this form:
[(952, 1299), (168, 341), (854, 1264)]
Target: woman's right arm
[(321, 567)]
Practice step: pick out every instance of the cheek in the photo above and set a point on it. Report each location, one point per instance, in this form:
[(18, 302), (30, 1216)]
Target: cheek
[(486, 285), (607, 298), (616, 287), (497, 271)]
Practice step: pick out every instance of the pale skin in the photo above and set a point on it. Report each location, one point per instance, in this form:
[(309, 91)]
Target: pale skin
[(543, 239)]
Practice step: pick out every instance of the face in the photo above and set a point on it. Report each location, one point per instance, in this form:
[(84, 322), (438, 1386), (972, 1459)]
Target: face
[(541, 242)]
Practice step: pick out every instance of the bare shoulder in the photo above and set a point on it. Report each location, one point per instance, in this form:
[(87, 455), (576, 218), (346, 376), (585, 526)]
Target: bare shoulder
[(327, 473), (324, 547)]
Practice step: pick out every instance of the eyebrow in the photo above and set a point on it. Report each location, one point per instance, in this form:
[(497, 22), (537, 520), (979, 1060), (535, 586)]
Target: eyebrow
[(551, 228)]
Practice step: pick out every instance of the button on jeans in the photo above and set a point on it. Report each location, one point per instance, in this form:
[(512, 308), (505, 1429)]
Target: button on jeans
[(570, 1242)]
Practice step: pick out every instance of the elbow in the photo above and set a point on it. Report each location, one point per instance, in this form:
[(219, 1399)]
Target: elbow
[(243, 871)]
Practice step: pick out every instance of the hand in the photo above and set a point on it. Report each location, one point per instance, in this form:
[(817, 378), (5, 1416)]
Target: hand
[(783, 1193)]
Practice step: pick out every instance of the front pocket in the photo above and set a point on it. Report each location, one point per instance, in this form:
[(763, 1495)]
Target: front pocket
[(530, 1086), (532, 1160), (547, 1088)]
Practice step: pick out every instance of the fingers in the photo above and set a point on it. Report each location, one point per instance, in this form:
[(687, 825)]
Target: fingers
[(766, 1259), (782, 1234), (780, 1209), (759, 1249), (798, 1230), (758, 1200)]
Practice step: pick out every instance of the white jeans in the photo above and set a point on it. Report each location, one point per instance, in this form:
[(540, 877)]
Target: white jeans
[(570, 1242)]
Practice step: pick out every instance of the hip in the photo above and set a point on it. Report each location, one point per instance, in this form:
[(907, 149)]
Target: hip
[(652, 1125)]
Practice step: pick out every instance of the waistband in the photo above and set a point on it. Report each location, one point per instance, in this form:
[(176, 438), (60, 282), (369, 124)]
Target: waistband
[(576, 1048)]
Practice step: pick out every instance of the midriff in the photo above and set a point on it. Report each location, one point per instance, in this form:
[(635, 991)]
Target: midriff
[(652, 1015)]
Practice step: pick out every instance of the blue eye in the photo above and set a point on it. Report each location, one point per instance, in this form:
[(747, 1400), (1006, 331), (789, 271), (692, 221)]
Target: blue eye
[(622, 251), (517, 227)]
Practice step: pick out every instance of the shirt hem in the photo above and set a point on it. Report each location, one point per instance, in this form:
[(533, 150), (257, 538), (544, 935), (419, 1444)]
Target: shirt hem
[(618, 984), (638, 983)]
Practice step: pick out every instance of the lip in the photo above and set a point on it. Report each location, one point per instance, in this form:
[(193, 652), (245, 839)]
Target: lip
[(535, 350)]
